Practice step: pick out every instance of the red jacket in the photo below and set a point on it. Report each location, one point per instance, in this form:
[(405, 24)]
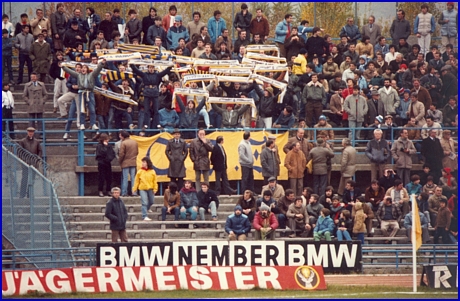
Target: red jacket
[(260, 222)]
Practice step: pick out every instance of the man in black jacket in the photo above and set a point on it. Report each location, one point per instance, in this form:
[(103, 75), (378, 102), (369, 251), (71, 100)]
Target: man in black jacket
[(207, 202), (148, 21), (433, 153), (116, 212), (74, 35), (317, 45), (219, 164)]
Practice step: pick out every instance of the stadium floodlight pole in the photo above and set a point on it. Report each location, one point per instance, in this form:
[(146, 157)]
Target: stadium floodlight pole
[(414, 242), (314, 14)]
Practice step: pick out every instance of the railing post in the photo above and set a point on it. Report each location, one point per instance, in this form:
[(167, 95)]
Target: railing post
[(51, 216), (81, 162), (32, 207)]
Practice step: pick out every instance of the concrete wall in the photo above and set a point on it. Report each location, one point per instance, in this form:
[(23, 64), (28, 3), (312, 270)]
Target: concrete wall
[(63, 174)]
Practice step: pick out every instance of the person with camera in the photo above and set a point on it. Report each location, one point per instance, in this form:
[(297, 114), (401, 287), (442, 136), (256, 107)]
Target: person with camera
[(378, 151), (402, 151), (388, 179), (389, 215)]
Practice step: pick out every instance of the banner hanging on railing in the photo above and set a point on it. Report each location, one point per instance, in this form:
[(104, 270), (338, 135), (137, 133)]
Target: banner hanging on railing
[(155, 148)]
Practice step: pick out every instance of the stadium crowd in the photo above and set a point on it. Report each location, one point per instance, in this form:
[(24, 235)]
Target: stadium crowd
[(361, 82)]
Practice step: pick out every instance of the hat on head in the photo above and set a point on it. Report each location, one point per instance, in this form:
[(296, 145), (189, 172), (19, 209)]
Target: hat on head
[(406, 91), (271, 179), (445, 68), (176, 130), (178, 18), (269, 90), (238, 207), (230, 105), (322, 117), (272, 137), (31, 129), (375, 92), (401, 91), (450, 3), (264, 206), (388, 116), (403, 66), (379, 118)]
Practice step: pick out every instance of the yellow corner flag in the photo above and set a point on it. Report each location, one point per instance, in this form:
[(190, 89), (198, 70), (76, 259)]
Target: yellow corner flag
[(416, 224)]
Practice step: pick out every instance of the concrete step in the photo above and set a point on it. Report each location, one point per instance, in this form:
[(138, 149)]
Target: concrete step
[(94, 200)]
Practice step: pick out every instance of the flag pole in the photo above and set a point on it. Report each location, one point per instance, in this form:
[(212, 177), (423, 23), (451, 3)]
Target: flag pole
[(414, 241)]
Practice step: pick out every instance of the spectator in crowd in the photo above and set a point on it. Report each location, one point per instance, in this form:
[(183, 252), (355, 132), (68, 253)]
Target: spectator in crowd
[(199, 149), (230, 116), (402, 151), (116, 212), (316, 45), (423, 223), (268, 160), (219, 163), (372, 30), (352, 53), (171, 202), (38, 23), (350, 194), (282, 32), (375, 108), (176, 151), (194, 26), (108, 26), (168, 118), (437, 61), (293, 44), (374, 195), (324, 129), (314, 95), (324, 226), (175, 32), (359, 225), (58, 24), (93, 20), (23, 21), (207, 54), (399, 196), (344, 226), (416, 110), (378, 152), (433, 152), (347, 164), (170, 19), (388, 179), (24, 42), (435, 114), (7, 56), (35, 97), (127, 158), (154, 31), (265, 223), (7, 110), (7, 25), (430, 124), (450, 158), (146, 183), (237, 225), (147, 21), (188, 201), (400, 28), (216, 25), (356, 107), (449, 25), (41, 56), (442, 225), (104, 157), (450, 112), (295, 162), (319, 156), (326, 198), (414, 186), (248, 203), (242, 21), (365, 48), (224, 37), (336, 103), (282, 208), (389, 215), (351, 31), (449, 87), (448, 183), (82, 24), (246, 160), (285, 120), (429, 187), (207, 202), (424, 26), (298, 218), (434, 204), (259, 25), (277, 190)]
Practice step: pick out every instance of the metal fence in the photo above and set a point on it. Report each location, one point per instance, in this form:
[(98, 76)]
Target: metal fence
[(31, 214)]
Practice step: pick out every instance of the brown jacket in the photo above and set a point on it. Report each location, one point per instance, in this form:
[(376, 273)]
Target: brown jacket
[(324, 131), (35, 97), (414, 134), (336, 104), (293, 210), (359, 226), (423, 97), (128, 153), (305, 146), (277, 193), (102, 104), (295, 163), (171, 201), (419, 112), (444, 217), (319, 155)]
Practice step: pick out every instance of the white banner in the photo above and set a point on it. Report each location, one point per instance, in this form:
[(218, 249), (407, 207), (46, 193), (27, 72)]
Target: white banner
[(120, 97), (121, 56)]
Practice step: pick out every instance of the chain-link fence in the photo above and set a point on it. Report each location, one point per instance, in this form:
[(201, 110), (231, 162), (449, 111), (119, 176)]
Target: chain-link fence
[(31, 214)]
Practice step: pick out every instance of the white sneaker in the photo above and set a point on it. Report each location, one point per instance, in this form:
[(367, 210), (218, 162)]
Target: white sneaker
[(66, 136), (132, 126), (150, 211), (82, 127), (95, 127), (147, 219)]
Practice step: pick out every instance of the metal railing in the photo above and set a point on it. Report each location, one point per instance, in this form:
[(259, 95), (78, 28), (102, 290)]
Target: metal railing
[(31, 214)]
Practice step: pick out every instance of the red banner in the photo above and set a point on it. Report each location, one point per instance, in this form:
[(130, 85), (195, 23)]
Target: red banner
[(122, 279)]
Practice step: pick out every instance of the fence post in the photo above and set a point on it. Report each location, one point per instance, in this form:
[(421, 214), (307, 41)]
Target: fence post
[(81, 162), (51, 216), (32, 207)]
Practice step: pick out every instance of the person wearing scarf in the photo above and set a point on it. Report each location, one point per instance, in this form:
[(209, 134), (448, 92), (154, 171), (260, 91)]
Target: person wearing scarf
[(448, 183), (146, 183)]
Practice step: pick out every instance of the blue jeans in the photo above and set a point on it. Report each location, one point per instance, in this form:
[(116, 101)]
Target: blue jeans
[(147, 198), (215, 118), (91, 107), (341, 234), (156, 117), (205, 115), (282, 221), (193, 213), (124, 178), (118, 116), (164, 211), (73, 114), (213, 207), (353, 124), (360, 237), (103, 121)]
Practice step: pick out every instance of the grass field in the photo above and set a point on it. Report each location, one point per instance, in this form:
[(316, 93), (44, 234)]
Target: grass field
[(333, 291)]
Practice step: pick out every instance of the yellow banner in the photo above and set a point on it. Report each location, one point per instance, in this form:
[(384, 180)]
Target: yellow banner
[(155, 147)]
